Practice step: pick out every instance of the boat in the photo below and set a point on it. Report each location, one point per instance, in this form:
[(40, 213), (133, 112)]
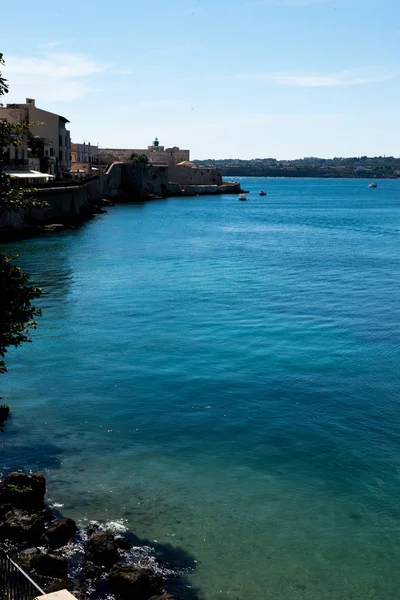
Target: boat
[(262, 193), (242, 197), (373, 184)]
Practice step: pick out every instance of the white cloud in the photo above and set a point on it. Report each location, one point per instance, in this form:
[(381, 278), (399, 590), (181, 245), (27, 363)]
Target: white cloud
[(54, 76), (50, 45), (59, 65), (341, 78), (126, 71), (151, 104)]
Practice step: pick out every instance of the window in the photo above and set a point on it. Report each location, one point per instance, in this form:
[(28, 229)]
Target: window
[(51, 152), (60, 140), (60, 155)]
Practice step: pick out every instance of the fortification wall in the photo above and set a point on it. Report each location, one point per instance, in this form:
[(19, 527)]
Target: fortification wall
[(156, 156), (123, 182), (194, 176)]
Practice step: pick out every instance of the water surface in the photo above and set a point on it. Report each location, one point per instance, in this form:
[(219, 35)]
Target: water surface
[(225, 376)]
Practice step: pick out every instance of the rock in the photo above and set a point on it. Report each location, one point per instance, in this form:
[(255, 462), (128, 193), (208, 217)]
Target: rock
[(20, 526), (123, 543), (25, 558), (55, 585), (60, 533), (23, 491), (91, 529), (53, 227), (92, 571), (129, 581), (102, 549), (165, 597), (4, 510), (50, 565)]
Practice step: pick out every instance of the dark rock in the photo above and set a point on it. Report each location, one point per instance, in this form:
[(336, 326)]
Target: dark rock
[(102, 549), (25, 558), (91, 209), (92, 528), (165, 597), (50, 565), (60, 533), (4, 510), (20, 526), (129, 581), (52, 584), (123, 543), (23, 491), (92, 571), (53, 227)]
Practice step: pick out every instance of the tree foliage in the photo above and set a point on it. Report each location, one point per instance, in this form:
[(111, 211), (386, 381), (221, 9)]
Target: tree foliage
[(11, 135), (139, 158), (17, 314)]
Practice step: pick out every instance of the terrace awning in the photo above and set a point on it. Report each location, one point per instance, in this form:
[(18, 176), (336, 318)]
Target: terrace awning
[(29, 175)]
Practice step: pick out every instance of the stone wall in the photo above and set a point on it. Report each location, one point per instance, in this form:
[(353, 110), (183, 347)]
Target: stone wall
[(186, 175), (156, 155), (123, 182)]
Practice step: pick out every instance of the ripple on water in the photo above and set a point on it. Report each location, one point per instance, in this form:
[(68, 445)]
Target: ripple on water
[(222, 379)]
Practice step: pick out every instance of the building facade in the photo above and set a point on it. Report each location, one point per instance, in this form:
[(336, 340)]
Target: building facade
[(157, 155), (84, 159), (50, 127)]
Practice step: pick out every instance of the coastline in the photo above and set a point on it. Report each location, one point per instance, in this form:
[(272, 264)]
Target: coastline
[(127, 404), (122, 182), (90, 561)]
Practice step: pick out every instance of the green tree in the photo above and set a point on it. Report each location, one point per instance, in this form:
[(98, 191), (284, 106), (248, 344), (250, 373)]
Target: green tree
[(11, 135), (17, 314), (139, 158)]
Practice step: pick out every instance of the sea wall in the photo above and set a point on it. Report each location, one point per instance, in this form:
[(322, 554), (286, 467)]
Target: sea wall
[(186, 175), (129, 181), (121, 182), (62, 204)]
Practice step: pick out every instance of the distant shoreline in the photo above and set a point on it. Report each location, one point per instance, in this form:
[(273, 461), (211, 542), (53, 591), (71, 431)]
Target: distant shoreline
[(364, 167), (299, 175)]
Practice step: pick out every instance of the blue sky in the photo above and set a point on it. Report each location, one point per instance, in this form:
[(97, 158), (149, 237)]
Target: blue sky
[(237, 78)]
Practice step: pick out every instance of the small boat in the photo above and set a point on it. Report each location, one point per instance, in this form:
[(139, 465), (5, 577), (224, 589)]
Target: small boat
[(242, 197), (373, 184), (262, 193)]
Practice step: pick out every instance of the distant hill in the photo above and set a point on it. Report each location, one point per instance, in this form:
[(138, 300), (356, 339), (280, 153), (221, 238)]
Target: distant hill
[(364, 166)]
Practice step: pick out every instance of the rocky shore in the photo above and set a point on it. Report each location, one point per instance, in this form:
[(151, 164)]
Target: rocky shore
[(89, 562)]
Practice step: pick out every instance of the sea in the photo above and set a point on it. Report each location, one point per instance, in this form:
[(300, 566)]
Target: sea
[(222, 378)]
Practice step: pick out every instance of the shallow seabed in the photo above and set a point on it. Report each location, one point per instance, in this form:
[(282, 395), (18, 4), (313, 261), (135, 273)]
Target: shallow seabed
[(224, 377)]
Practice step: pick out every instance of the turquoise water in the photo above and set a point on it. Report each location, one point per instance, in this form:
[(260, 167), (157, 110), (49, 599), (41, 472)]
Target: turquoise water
[(223, 378)]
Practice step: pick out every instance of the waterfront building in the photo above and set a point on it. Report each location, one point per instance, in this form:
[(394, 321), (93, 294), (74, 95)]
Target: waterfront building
[(48, 126), (84, 159), (156, 154)]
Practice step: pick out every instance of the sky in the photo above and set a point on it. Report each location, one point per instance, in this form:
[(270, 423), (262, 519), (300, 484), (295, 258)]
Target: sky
[(224, 78)]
